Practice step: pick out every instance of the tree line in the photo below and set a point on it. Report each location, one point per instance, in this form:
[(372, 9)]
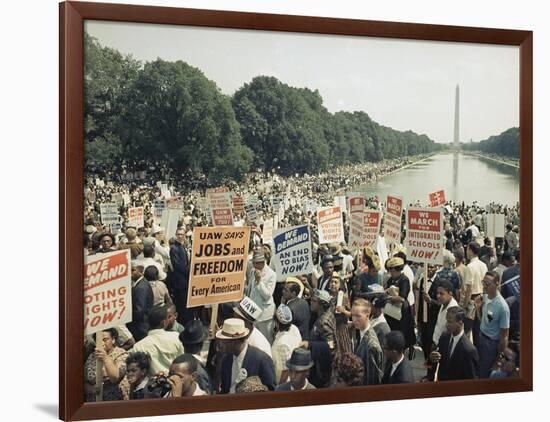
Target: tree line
[(506, 144), (171, 111)]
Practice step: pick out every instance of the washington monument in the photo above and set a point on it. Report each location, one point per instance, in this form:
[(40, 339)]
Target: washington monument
[(456, 137)]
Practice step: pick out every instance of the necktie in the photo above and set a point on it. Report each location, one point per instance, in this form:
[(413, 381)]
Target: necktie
[(357, 338), (451, 346)]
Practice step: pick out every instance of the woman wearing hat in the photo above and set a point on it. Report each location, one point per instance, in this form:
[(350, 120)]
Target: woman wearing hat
[(372, 275), (342, 313), (398, 288)]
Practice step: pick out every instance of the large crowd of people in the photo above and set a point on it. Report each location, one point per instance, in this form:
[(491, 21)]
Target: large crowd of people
[(356, 319)]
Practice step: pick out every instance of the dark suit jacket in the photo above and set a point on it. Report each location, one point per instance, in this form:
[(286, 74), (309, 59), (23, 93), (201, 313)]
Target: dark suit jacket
[(402, 375), (180, 264), (142, 302), (300, 316), (255, 362), (370, 352), (463, 364)]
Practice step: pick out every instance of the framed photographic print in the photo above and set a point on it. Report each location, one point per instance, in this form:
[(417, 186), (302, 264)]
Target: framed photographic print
[(307, 210)]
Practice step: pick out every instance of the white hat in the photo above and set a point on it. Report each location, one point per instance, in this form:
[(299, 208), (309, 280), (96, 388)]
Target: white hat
[(233, 328), (248, 309), (157, 229)]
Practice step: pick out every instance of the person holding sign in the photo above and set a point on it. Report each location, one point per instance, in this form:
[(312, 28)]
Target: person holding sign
[(113, 366), (262, 285), (398, 289), (342, 312)]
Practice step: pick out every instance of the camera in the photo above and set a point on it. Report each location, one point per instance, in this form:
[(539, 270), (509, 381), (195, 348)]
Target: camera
[(160, 385)]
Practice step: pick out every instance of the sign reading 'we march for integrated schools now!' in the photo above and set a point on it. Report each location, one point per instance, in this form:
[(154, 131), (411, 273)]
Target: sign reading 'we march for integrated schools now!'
[(425, 239), (292, 251)]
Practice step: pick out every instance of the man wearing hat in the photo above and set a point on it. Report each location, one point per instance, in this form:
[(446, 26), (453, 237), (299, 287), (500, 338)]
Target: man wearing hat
[(286, 340), (192, 338), (241, 358), (298, 306), (132, 243), (261, 285), (161, 247), (298, 369), (249, 311)]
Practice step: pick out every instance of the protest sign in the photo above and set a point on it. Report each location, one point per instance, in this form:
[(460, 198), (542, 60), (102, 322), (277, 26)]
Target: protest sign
[(126, 199), (218, 265), (392, 219), (437, 198), (251, 213), (371, 221), (158, 208), (164, 191), (238, 204), (107, 291), (169, 221), (356, 224), (267, 232), (310, 206), (292, 251), (220, 206), (174, 203), (495, 225), (330, 225), (276, 203), (222, 217), (118, 198), (136, 217), (109, 213), (425, 240), (340, 201)]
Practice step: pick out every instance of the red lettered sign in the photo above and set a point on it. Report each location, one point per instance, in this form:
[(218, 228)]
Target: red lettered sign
[(425, 240), (437, 198)]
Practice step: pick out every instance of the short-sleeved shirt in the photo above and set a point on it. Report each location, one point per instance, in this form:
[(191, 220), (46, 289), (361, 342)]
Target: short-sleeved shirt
[(495, 316), (473, 276)]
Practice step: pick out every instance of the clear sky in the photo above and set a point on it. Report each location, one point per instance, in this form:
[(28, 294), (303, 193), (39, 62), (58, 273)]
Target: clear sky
[(399, 83)]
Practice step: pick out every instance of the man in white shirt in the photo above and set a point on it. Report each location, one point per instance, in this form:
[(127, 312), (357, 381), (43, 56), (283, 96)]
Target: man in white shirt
[(287, 339), (163, 346), (473, 286), (446, 301), (262, 285)]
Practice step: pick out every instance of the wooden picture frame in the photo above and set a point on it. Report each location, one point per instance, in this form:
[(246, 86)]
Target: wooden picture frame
[(71, 164)]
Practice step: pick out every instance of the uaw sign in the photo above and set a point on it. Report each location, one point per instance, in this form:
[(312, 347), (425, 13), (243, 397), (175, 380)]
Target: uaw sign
[(292, 251), (392, 219), (437, 198), (218, 265), (107, 291), (330, 225), (425, 240), (356, 225), (220, 206)]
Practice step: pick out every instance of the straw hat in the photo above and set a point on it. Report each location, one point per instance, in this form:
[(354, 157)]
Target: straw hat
[(233, 328)]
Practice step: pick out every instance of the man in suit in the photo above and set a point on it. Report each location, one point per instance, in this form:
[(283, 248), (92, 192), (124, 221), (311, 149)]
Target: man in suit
[(180, 277), (142, 302), (398, 370), (365, 342), (456, 355), (298, 369), (242, 360), (299, 306)]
